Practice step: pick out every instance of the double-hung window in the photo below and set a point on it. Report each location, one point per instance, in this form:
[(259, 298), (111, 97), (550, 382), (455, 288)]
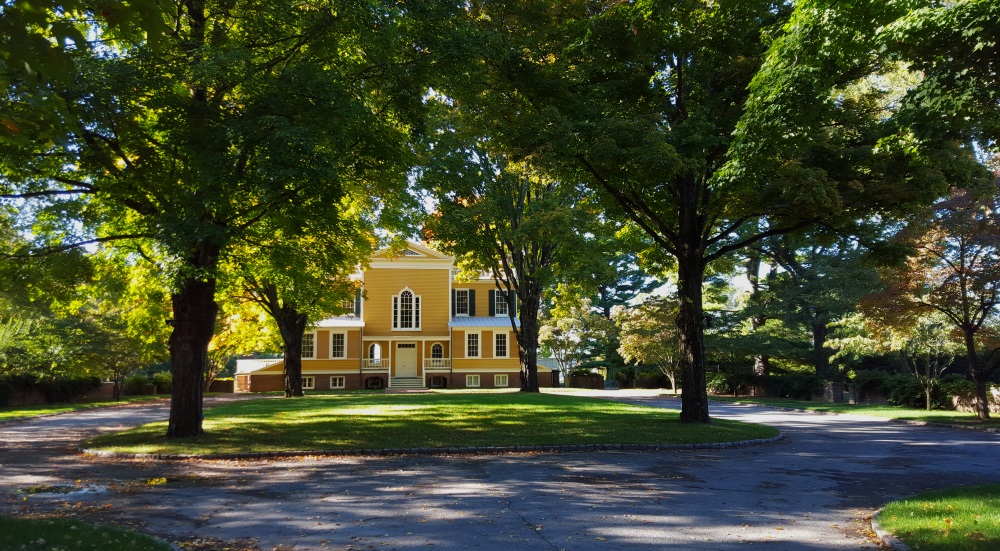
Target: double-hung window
[(461, 302), (338, 345), (500, 303), (500, 345), (309, 346), (472, 345)]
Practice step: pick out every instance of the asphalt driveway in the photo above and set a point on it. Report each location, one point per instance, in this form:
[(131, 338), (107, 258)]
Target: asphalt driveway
[(812, 491)]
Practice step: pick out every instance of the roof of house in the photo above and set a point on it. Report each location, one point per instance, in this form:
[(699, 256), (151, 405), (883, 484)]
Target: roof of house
[(482, 321), (339, 321)]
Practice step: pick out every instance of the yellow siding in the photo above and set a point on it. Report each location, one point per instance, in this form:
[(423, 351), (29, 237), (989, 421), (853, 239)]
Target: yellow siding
[(354, 349), (322, 345), (504, 364), (430, 285), (309, 366), (444, 348), (487, 344)]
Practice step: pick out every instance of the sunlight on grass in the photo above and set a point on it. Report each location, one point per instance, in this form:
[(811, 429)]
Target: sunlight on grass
[(888, 412), (959, 518), (59, 534), (27, 412), (371, 421)]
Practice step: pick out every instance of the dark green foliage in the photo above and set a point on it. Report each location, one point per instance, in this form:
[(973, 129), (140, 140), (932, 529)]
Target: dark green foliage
[(136, 384), (55, 390), (797, 386), (905, 390), (164, 382)]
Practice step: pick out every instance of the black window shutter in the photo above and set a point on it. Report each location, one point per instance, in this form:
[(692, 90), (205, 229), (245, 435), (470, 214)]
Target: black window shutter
[(492, 303), (472, 303), (357, 303), (454, 296)]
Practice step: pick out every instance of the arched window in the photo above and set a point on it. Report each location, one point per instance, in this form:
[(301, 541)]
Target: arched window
[(375, 352), (406, 310), (437, 351)]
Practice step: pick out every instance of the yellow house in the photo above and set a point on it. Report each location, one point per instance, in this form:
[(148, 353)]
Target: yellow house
[(415, 328)]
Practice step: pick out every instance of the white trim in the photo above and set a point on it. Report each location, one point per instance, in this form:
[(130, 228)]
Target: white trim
[(506, 380), (506, 345), (401, 264), (312, 385), (468, 301), (478, 380), (344, 334), (429, 351), (407, 338), (314, 345), (479, 345), (352, 371), (343, 383), (461, 370), (497, 294), (416, 319)]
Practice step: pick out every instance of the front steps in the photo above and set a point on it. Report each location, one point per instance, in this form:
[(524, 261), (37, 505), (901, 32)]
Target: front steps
[(407, 383)]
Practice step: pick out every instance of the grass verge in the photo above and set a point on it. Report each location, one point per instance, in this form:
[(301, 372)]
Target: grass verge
[(890, 412), (56, 534), (437, 420), (26, 412), (959, 518)]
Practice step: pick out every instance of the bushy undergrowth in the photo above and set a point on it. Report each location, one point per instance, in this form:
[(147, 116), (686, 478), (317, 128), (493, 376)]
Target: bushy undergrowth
[(901, 389), (798, 386), (63, 389)]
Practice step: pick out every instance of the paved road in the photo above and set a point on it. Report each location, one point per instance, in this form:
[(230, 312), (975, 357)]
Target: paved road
[(812, 491)]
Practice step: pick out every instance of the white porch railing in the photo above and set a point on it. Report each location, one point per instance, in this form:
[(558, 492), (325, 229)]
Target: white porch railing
[(437, 364), (380, 365)]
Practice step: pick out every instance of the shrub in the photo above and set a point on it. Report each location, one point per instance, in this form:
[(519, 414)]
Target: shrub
[(797, 386), (718, 383), (67, 389), (136, 384), (625, 377), (164, 382), (903, 389), (651, 379)]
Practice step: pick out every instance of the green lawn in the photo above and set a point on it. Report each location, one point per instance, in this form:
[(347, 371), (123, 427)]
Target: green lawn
[(891, 412), (65, 534), (367, 421), (22, 412), (960, 518)]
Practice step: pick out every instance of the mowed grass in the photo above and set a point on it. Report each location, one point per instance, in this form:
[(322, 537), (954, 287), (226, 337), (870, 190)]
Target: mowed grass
[(437, 420), (890, 412), (67, 534), (27, 412), (958, 518)]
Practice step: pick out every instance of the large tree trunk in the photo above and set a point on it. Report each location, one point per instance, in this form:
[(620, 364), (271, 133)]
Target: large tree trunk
[(530, 297), (194, 324), (980, 375), (292, 326), (690, 328), (761, 362), (821, 358)]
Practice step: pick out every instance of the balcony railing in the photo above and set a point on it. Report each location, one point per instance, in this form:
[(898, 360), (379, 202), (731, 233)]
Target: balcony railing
[(437, 364), (375, 365)]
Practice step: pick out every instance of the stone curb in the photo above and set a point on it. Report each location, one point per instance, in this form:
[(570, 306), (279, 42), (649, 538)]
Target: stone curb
[(891, 541), (472, 450)]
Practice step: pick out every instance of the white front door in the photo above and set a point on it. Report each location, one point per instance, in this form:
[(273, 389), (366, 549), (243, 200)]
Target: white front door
[(406, 359)]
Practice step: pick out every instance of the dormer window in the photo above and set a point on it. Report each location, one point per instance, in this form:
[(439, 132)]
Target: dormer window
[(406, 311)]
